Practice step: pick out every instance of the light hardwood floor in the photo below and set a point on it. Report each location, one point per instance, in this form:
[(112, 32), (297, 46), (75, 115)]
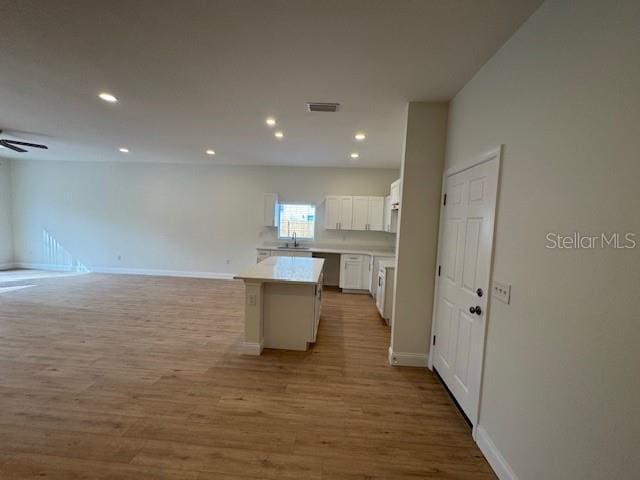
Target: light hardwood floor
[(132, 377)]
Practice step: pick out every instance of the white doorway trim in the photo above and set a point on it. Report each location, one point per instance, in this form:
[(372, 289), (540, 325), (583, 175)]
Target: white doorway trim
[(493, 155)]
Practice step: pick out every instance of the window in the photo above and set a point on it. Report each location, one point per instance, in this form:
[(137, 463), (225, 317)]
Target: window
[(300, 219)]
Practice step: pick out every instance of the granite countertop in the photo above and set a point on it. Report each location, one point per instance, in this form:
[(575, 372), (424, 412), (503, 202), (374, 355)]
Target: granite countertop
[(374, 251), (303, 270)]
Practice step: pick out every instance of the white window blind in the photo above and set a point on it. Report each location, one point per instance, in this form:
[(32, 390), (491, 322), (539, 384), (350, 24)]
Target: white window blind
[(300, 219)]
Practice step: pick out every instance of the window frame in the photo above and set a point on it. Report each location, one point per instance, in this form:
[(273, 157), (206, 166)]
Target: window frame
[(315, 218)]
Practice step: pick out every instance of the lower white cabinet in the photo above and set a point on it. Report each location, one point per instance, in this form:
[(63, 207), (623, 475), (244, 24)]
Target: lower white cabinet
[(386, 286), (355, 271)]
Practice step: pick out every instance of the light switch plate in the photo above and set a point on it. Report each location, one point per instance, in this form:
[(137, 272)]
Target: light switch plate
[(501, 291)]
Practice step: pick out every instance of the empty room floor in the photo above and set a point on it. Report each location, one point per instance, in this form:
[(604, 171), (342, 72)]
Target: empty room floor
[(132, 377)]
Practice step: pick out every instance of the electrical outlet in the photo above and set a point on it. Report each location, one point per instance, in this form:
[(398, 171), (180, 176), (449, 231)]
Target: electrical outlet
[(501, 291), (251, 299)]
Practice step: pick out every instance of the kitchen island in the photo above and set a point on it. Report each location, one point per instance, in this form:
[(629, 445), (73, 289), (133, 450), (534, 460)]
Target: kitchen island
[(282, 303)]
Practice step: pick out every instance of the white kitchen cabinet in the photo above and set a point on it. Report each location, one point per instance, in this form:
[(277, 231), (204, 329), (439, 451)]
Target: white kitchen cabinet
[(395, 193), (368, 213), (360, 213), (390, 217), (355, 271), (317, 310), (375, 214), (386, 215), (338, 214), (384, 296), (375, 267), (270, 210)]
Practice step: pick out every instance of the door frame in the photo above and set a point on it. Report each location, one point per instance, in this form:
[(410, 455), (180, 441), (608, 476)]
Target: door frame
[(492, 155)]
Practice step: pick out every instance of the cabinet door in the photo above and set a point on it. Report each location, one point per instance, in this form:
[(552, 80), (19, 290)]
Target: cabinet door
[(346, 213), (365, 279), (360, 213), (332, 210), (351, 271), (375, 214), (395, 192), (380, 296), (386, 216)]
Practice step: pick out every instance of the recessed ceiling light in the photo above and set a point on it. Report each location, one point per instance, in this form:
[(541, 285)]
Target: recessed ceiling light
[(210, 152), (278, 134), (270, 121), (107, 97), (360, 136), (355, 155), (124, 150)]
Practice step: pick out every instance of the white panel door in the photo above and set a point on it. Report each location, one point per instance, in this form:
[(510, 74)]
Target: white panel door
[(462, 289), (346, 213), (360, 213), (375, 214)]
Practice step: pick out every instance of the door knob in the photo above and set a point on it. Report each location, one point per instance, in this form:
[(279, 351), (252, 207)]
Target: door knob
[(472, 309)]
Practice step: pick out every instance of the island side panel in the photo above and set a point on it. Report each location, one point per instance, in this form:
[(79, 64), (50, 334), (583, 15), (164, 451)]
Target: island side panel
[(289, 315), (253, 318)]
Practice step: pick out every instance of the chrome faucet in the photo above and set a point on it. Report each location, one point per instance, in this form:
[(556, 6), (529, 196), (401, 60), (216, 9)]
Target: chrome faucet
[(295, 240)]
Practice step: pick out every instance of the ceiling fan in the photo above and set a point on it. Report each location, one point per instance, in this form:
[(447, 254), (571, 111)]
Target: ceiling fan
[(13, 145)]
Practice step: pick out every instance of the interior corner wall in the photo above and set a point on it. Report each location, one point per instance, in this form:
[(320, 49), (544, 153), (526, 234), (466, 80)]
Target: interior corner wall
[(6, 231), (169, 218), (417, 241), (562, 364)]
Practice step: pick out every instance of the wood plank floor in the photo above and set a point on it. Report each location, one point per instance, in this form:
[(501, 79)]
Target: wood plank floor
[(132, 377)]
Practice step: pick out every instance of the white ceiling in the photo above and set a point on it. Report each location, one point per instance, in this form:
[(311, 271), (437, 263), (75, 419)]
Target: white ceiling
[(192, 75)]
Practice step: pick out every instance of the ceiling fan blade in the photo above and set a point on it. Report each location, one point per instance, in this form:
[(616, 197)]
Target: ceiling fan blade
[(25, 144), (5, 144)]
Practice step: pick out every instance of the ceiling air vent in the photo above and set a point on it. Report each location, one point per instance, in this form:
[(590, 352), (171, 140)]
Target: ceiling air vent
[(322, 107)]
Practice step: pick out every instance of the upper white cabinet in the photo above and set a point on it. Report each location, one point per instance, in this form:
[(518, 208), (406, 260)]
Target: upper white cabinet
[(375, 214), (360, 213), (270, 210), (395, 193), (338, 214), (390, 216), (368, 213)]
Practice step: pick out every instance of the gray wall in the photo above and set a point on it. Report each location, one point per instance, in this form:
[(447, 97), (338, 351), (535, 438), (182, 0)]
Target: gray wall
[(189, 218), (422, 167), (562, 370), (6, 237)]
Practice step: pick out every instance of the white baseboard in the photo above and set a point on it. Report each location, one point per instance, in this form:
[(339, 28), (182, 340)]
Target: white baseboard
[(500, 466), (402, 359), (129, 271), (252, 348)]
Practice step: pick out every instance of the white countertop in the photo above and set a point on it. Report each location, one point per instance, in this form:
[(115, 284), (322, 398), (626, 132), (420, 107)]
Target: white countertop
[(305, 270), (373, 251)]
